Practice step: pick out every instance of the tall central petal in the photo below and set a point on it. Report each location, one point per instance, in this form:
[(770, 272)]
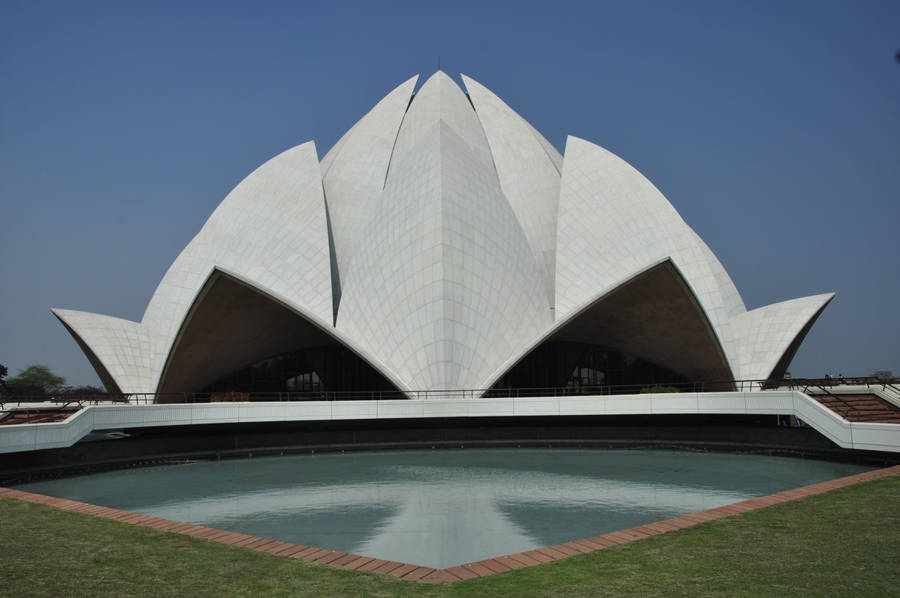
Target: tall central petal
[(447, 288)]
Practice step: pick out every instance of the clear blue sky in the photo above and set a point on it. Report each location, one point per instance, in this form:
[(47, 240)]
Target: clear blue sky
[(773, 127)]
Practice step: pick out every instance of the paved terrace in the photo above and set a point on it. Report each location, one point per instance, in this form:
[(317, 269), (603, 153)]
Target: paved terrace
[(862, 435)]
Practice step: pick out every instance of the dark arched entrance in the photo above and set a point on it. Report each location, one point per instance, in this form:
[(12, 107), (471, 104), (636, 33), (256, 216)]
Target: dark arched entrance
[(238, 339)]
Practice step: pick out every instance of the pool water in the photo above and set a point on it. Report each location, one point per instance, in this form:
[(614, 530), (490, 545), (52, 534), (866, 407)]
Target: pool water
[(440, 508)]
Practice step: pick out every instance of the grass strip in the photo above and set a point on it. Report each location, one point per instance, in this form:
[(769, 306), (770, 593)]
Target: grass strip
[(842, 543)]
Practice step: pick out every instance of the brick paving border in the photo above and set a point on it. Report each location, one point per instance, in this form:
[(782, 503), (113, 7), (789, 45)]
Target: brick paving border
[(483, 568)]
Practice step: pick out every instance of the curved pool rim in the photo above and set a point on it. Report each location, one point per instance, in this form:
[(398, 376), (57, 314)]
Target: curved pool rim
[(695, 488), (152, 446)]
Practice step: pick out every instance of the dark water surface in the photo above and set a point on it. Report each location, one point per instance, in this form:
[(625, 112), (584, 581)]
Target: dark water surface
[(440, 508)]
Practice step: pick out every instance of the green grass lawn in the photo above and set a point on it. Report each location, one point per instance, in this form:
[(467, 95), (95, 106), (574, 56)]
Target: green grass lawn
[(843, 543)]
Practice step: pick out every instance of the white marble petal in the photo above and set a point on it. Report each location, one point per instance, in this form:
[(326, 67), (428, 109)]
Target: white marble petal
[(448, 287), (758, 338), (612, 220), (550, 150), (440, 239), (528, 177), (122, 347), (270, 229), (354, 172)]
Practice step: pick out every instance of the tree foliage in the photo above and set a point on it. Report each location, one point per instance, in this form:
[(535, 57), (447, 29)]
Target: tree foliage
[(35, 380), (79, 391)]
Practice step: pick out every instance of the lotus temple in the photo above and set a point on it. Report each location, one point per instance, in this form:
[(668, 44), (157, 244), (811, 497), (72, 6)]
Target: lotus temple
[(444, 278), (443, 243)]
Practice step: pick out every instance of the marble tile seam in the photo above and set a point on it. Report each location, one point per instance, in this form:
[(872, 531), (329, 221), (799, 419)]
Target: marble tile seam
[(418, 573)]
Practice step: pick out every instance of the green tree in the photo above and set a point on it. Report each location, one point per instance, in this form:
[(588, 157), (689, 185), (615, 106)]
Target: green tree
[(79, 391), (3, 371), (34, 380)]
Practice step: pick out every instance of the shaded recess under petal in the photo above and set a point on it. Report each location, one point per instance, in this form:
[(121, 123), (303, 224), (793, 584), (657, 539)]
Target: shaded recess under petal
[(271, 229), (613, 221), (653, 315), (233, 325)]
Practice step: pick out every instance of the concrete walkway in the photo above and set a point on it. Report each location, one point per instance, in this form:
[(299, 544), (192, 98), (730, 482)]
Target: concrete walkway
[(871, 436)]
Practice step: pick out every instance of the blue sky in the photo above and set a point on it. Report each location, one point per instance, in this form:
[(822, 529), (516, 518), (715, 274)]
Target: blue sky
[(773, 127)]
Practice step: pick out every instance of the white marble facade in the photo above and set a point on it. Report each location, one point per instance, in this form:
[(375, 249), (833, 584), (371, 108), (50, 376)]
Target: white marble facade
[(441, 239)]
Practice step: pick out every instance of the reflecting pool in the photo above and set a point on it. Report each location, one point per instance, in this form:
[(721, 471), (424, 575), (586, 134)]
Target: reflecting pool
[(440, 508)]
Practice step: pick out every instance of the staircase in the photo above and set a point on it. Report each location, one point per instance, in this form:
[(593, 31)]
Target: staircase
[(860, 407), (34, 416)]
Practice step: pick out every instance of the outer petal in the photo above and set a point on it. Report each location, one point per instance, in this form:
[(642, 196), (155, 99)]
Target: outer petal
[(383, 110), (354, 172), (551, 151), (528, 177), (118, 349), (448, 287), (763, 341), (613, 221), (271, 229)]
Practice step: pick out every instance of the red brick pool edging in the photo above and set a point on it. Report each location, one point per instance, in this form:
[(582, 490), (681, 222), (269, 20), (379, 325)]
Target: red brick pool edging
[(473, 570)]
